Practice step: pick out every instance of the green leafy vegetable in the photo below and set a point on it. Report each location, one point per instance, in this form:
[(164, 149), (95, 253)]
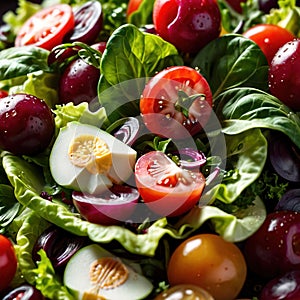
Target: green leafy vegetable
[(232, 61), (130, 58), (143, 15)]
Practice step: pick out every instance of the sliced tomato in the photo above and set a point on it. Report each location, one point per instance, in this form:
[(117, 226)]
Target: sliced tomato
[(166, 188), (47, 27), (269, 38), (3, 94), (176, 103)]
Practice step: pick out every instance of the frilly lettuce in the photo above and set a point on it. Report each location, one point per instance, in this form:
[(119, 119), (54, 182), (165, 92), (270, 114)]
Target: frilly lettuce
[(28, 184), (286, 16)]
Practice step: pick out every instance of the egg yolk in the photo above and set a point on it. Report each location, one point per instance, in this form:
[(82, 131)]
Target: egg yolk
[(90, 152)]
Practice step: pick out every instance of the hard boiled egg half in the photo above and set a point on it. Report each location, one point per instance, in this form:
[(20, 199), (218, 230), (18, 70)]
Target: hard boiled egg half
[(88, 159)]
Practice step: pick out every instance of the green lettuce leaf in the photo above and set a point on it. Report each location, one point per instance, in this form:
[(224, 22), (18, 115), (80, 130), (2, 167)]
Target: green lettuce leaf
[(247, 154), (286, 16)]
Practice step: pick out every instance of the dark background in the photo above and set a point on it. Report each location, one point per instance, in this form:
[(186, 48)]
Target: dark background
[(6, 5)]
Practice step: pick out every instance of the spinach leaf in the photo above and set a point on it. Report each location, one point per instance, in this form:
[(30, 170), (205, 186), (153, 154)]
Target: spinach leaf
[(20, 61), (131, 57), (143, 15), (241, 109), (232, 61), (9, 206)]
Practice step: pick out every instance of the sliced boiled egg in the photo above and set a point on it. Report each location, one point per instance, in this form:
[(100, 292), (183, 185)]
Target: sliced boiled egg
[(88, 159), (95, 273)]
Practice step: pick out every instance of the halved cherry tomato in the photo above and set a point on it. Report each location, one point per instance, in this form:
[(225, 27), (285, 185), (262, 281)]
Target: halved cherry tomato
[(269, 38), (210, 262), (8, 262), (166, 188), (47, 27), (176, 102)]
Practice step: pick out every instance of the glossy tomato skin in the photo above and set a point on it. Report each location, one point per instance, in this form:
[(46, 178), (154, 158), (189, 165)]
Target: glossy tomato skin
[(47, 27), (8, 262), (187, 29), (274, 248), (269, 38), (167, 189), (165, 114), (284, 76), (133, 6), (210, 262)]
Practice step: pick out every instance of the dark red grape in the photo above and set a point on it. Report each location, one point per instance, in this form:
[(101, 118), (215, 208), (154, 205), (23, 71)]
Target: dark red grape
[(26, 124), (274, 248), (289, 201), (88, 23), (285, 287), (284, 76), (59, 245), (79, 82), (284, 157), (24, 292)]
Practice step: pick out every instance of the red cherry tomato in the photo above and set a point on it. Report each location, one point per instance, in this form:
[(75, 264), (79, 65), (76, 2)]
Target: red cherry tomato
[(166, 188), (47, 27), (269, 38), (187, 29), (8, 262), (168, 105), (133, 5), (210, 262)]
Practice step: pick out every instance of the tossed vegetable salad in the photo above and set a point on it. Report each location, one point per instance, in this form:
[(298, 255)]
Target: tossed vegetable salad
[(143, 157)]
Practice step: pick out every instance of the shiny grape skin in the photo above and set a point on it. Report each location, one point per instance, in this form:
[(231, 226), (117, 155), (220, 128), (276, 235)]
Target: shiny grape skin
[(26, 124), (79, 82), (284, 75), (88, 23), (274, 248)]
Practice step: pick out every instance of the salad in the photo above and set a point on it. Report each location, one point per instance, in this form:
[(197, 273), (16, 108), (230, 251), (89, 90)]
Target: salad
[(144, 158)]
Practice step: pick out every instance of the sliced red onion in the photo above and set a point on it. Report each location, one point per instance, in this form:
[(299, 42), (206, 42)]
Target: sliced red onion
[(194, 158), (289, 201), (125, 129), (58, 244), (110, 208)]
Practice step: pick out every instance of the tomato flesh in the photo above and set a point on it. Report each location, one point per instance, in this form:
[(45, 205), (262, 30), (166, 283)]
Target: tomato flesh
[(8, 262), (168, 115), (47, 28), (210, 262), (167, 189)]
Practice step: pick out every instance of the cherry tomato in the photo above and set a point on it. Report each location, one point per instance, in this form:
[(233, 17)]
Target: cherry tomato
[(184, 292), (274, 248), (166, 188), (8, 262), (187, 29), (284, 74), (47, 27), (269, 38), (210, 262), (133, 6), (169, 105)]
